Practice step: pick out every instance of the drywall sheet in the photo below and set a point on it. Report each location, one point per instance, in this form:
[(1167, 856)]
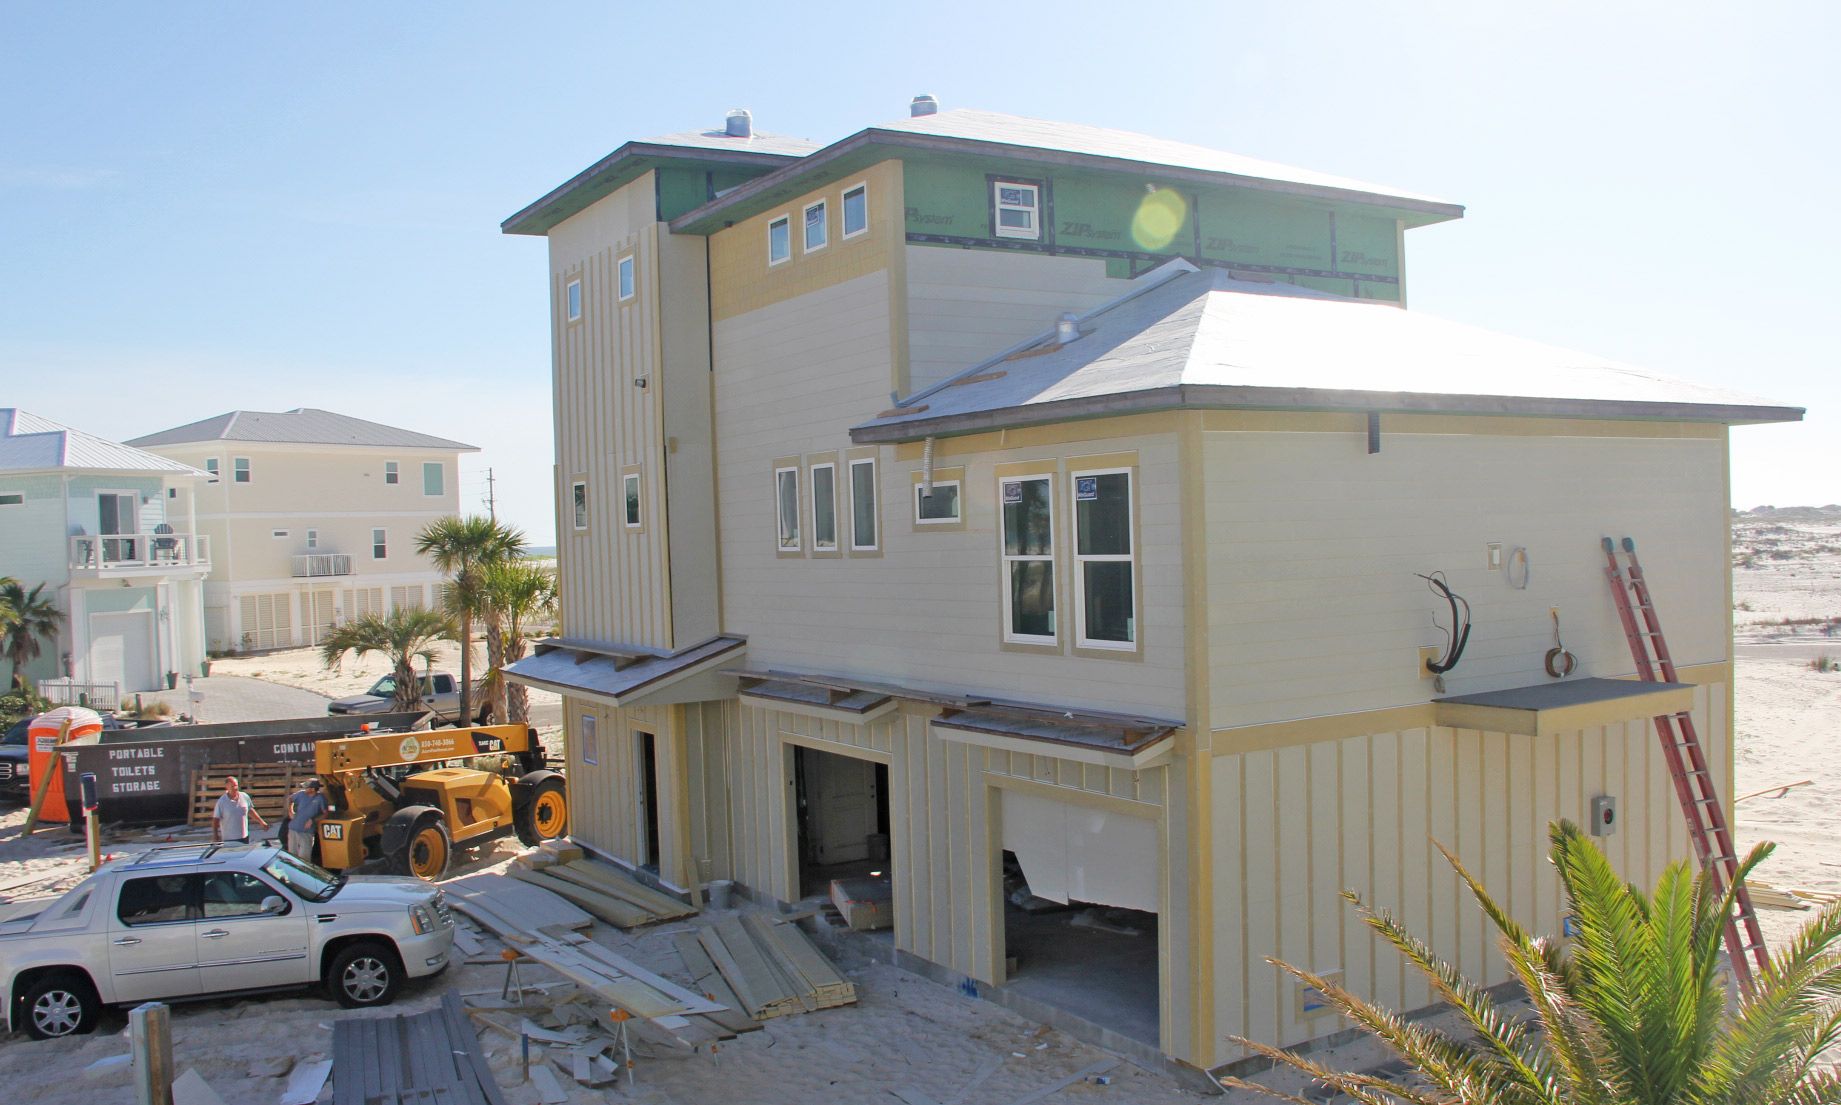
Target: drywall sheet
[(1071, 852)]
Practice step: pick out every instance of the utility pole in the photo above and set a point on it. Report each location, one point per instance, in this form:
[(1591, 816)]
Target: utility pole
[(492, 499)]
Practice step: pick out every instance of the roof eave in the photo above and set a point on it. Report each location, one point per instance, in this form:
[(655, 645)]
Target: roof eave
[(626, 162), (709, 217), (1217, 397)]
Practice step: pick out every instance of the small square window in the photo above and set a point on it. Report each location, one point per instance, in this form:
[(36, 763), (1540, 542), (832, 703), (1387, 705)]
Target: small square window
[(780, 240), (939, 508), (211, 468), (1014, 208), (573, 295), (578, 493), (630, 498), (817, 227), (380, 544), (856, 210), (391, 475), (432, 481), (240, 468), (626, 278)]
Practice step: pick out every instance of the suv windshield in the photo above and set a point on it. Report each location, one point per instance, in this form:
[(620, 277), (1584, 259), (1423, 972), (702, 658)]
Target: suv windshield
[(316, 884)]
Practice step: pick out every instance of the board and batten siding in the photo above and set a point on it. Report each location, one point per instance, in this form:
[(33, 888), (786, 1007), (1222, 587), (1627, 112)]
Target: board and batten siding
[(1314, 544), (1295, 825)]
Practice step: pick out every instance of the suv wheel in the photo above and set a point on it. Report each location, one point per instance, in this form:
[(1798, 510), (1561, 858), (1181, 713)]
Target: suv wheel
[(363, 975), (60, 1005)]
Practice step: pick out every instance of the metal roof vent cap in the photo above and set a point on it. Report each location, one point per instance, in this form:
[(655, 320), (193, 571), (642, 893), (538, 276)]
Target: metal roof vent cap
[(1067, 328), (739, 124), (923, 104)]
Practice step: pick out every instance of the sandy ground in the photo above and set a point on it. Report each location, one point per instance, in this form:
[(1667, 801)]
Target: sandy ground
[(302, 667)]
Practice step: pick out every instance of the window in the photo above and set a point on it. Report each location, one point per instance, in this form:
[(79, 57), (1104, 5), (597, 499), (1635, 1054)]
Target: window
[(1103, 560), (939, 508), (12, 498), (573, 295), (626, 278), (630, 498), (380, 544), (856, 210), (159, 900), (1014, 209), (591, 750), (779, 240), (211, 468), (786, 497), (313, 539), (863, 505), (817, 227), (578, 493), (278, 533), (824, 507), (172, 493), (235, 894), (432, 482), (1029, 559), (240, 467), (391, 475)]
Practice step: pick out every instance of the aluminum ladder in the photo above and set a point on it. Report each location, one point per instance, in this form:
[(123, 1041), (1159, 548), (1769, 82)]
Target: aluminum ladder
[(1687, 764)]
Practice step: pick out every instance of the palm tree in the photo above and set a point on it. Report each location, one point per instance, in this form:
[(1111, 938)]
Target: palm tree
[(25, 616), (405, 635), (1634, 1011), (464, 548), (518, 592)]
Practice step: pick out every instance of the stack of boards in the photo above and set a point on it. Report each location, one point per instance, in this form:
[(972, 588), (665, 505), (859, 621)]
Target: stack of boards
[(767, 968), (606, 893), (268, 786)]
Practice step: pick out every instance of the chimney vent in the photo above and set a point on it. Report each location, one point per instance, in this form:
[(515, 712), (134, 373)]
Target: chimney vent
[(1067, 328), (923, 105), (739, 124)]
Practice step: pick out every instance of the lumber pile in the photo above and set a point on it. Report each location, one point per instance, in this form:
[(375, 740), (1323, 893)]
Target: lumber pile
[(772, 968), (603, 890), (507, 906), (268, 786), (1766, 896), (414, 1059)]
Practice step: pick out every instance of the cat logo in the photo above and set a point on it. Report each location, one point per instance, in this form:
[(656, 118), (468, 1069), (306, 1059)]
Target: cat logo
[(332, 830), (409, 749), (489, 744)]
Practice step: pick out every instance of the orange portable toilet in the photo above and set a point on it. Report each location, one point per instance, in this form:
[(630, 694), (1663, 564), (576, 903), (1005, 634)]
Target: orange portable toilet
[(44, 736)]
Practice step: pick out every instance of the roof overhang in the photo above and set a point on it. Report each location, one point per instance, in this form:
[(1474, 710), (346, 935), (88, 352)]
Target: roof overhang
[(625, 677), (621, 167), (862, 147), (1547, 709)]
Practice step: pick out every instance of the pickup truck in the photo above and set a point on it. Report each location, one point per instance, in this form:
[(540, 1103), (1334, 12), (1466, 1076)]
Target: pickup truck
[(440, 696), (185, 922)]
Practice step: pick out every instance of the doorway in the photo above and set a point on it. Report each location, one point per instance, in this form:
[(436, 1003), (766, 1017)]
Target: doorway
[(843, 818), (647, 750)]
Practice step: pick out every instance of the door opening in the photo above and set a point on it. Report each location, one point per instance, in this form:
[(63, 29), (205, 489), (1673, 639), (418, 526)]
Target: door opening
[(843, 819), (648, 801)]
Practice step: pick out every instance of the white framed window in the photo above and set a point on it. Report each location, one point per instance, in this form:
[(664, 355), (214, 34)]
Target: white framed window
[(572, 298), (239, 468), (940, 508), (1029, 559), (780, 240), (578, 496), (625, 268), (630, 498), (391, 472), (856, 210), (380, 544), (1105, 560), (433, 482), (1014, 209), (278, 533), (824, 507), (12, 498), (591, 746), (863, 505), (786, 503), (817, 224), (313, 539), (211, 468)]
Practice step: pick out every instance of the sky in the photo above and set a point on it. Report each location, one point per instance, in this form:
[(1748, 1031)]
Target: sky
[(206, 206)]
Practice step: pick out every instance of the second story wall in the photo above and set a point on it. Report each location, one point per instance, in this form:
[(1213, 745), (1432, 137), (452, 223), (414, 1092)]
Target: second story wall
[(33, 531)]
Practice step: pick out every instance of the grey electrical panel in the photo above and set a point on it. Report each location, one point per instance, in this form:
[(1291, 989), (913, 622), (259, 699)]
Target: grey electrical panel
[(1604, 815)]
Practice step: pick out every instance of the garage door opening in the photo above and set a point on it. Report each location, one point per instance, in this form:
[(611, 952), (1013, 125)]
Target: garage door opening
[(1080, 912), (843, 806)]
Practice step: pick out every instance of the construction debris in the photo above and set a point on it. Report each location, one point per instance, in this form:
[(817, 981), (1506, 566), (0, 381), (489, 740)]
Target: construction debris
[(508, 906), (772, 968), (411, 1060), (305, 1082)]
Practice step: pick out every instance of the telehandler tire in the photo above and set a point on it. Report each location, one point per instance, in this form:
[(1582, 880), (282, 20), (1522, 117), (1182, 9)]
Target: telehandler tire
[(425, 851), (545, 816)]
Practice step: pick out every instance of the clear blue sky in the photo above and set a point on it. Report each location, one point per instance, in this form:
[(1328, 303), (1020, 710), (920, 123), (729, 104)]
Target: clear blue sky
[(210, 206)]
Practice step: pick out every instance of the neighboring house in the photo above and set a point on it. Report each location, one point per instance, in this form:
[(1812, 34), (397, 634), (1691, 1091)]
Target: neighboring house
[(109, 530), (978, 494), (313, 517)]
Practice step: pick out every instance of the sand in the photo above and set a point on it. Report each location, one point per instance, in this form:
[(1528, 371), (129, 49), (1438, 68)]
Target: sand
[(303, 668)]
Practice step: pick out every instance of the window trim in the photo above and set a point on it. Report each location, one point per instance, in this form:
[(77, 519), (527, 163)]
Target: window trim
[(383, 544), (851, 464), (572, 300), (626, 278), (780, 468), (1028, 642), (958, 519), (632, 476), (578, 509), (782, 219), (998, 229), (1079, 560), (243, 474), (828, 462), (805, 226), (440, 469), (843, 212), (393, 473), (213, 466)]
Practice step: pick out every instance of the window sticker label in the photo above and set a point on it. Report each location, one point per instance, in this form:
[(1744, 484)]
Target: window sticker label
[(1013, 491), (1086, 488)]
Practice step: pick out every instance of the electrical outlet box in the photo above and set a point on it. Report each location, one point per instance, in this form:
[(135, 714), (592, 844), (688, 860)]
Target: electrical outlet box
[(1428, 654), (1604, 815)]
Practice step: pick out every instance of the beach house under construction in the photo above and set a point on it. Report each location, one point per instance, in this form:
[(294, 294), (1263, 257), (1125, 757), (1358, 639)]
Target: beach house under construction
[(1029, 513)]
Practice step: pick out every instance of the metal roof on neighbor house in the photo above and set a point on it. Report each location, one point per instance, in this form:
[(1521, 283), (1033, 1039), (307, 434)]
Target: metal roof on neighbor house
[(1210, 339), (300, 426), (32, 443)]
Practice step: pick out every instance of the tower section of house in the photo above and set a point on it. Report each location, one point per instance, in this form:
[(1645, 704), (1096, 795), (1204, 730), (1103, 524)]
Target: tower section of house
[(313, 518), (1073, 492), (109, 531)]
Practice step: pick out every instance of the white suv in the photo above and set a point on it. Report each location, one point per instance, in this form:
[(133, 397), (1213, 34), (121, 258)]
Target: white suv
[(193, 921)]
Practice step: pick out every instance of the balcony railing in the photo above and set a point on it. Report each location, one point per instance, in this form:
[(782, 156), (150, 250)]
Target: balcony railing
[(322, 564), (112, 552)]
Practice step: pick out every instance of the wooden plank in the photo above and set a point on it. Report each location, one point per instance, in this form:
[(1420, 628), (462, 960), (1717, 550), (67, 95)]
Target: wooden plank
[(549, 1090), (609, 880), (468, 1057), (732, 973), (614, 911), (706, 977), (692, 1002), (531, 906)]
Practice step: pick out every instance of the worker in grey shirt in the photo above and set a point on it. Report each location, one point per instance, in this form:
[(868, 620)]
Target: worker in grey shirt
[(230, 818), (305, 809)]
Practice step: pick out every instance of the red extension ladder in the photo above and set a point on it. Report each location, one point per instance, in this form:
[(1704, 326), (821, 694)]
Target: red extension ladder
[(1687, 764)]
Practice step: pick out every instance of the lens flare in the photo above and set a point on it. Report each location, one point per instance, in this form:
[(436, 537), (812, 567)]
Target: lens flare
[(1158, 219)]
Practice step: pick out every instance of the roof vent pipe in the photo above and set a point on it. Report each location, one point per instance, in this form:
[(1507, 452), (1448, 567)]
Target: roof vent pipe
[(739, 124), (1067, 328), (923, 104)]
